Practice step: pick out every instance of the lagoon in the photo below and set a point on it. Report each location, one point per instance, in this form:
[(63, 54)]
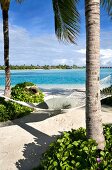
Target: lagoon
[(70, 77)]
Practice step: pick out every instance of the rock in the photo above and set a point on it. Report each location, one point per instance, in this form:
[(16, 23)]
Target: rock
[(33, 89)]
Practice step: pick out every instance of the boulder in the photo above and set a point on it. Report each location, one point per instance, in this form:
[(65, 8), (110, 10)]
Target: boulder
[(33, 89)]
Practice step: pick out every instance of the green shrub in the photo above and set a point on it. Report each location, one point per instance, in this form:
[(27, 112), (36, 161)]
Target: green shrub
[(22, 93), (3, 113), (107, 91), (10, 110), (74, 151)]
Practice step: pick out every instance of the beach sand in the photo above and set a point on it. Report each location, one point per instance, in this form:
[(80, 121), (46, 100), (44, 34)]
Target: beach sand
[(22, 143)]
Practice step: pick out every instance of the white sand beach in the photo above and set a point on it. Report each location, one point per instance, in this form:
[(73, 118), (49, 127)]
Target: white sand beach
[(23, 142)]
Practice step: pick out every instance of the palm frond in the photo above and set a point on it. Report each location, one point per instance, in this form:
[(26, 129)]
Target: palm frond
[(67, 20), (107, 4)]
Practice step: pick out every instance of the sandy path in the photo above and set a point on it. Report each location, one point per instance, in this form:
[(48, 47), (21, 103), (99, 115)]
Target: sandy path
[(22, 144)]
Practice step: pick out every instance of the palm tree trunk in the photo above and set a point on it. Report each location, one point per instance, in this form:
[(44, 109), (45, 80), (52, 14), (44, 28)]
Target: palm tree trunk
[(6, 53), (93, 106)]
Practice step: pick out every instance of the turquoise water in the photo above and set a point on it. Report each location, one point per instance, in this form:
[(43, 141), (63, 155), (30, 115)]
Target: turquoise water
[(50, 77)]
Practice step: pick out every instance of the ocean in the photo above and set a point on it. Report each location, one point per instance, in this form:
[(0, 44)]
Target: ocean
[(72, 77)]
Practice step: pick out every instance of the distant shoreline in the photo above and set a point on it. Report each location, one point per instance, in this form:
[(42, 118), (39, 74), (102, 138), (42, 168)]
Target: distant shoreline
[(65, 67), (60, 67)]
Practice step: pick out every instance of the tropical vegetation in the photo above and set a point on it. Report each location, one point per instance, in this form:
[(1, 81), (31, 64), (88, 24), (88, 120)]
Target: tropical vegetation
[(67, 20), (26, 92), (107, 90), (10, 110), (46, 67), (73, 150)]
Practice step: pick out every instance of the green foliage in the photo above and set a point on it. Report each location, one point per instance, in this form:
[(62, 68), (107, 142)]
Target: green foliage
[(107, 4), (74, 151), (22, 93), (107, 91), (23, 85), (10, 110), (31, 67), (67, 19)]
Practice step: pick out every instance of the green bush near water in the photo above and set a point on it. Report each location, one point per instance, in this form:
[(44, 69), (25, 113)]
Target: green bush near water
[(20, 92), (73, 151), (10, 110)]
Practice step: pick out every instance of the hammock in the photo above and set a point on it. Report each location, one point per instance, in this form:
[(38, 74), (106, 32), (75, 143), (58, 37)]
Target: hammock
[(33, 106), (105, 81)]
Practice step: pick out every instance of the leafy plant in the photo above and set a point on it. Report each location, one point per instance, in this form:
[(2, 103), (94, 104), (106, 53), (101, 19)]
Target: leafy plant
[(74, 151), (10, 110), (23, 93), (107, 91)]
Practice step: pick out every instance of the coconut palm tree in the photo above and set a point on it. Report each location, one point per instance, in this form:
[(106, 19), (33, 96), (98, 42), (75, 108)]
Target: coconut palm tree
[(5, 4), (67, 28)]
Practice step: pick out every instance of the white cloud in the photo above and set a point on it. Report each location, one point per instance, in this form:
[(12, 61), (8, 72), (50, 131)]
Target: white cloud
[(106, 53), (106, 56), (82, 51), (45, 49), (26, 49), (63, 61)]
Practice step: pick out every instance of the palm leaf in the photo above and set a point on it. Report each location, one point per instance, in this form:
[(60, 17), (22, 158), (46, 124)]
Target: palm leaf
[(67, 20), (107, 4)]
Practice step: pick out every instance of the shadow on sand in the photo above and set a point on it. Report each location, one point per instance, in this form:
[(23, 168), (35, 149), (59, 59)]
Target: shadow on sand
[(32, 152), (61, 91)]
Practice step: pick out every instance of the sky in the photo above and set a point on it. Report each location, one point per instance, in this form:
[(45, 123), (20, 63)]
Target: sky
[(33, 40)]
